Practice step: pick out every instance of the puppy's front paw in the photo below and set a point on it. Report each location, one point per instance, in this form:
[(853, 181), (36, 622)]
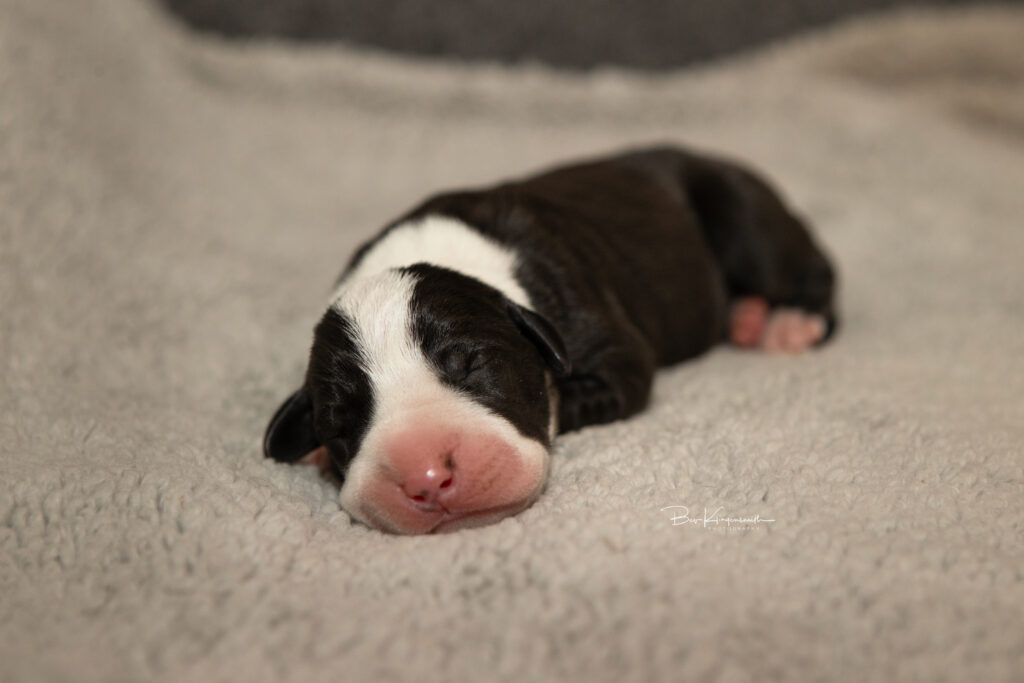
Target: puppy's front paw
[(586, 400)]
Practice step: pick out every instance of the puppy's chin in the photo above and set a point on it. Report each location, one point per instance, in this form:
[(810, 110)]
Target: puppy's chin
[(483, 517), (441, 522)]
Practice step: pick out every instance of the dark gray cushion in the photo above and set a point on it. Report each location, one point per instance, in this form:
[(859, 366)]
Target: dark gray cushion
[(651, 34)]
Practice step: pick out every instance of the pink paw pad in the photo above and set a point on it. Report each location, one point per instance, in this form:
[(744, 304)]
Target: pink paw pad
[(747, 319), (752, 324)]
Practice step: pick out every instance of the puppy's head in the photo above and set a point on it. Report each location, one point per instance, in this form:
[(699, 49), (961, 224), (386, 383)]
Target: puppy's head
[(430, 393)]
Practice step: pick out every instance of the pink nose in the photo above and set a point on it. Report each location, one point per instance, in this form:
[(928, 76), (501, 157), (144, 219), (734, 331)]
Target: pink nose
[(424, 464), (426, 480)]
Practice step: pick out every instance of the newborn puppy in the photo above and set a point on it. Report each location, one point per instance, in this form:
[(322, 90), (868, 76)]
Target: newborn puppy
[(475, 328)]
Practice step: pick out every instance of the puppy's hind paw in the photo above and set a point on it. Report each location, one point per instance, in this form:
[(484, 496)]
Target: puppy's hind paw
[(747, 320), (753, 324), (791, 330)]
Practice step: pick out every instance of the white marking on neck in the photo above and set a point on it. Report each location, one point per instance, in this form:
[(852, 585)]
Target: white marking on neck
[(446, 242)]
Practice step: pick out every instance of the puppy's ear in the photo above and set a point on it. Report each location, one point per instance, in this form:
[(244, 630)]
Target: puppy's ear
[(290, 435), (544, 336)]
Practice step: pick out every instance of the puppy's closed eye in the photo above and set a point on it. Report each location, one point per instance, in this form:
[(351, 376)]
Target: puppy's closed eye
[(459, 362)]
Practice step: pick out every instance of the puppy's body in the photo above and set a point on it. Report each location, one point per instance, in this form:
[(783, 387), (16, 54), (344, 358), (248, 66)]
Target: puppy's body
[(480, 324)]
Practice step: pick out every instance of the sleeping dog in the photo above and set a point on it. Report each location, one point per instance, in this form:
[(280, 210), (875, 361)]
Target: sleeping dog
[(475, 328)]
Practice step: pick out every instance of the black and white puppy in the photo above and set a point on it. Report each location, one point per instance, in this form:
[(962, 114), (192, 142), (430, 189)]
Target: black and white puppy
[(476, 327)]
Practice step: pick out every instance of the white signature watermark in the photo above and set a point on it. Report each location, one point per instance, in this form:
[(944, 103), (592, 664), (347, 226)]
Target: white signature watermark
[(711, 518)]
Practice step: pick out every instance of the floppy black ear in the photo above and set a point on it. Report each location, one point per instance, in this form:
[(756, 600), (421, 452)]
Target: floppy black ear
[(290, 433), (544, 336)]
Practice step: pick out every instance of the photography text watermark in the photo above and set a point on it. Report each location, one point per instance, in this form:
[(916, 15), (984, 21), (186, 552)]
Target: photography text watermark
[(712, 518)]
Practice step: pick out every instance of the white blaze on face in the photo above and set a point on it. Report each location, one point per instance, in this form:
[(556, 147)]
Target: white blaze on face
[(497, 470)]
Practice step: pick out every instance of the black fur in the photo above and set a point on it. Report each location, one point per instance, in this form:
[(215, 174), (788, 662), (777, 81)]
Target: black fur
[(339, 390), (634, 259), (476, 346), (290, 434)]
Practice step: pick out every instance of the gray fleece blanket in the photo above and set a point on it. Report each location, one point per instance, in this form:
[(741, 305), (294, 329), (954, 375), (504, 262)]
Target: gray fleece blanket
[(173, 212)]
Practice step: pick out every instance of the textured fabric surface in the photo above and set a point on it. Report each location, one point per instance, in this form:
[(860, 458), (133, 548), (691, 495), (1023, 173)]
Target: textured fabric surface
[(173, 213)]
